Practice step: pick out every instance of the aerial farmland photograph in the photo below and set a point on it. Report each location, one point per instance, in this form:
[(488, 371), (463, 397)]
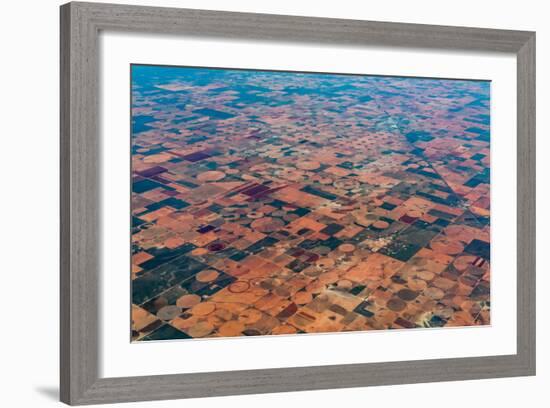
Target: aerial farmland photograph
[(288, 203)]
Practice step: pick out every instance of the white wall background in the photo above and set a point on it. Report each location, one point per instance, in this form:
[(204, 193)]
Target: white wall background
[(29, 202)]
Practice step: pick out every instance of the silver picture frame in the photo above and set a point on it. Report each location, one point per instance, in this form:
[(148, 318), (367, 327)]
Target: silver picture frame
[(81, 24)]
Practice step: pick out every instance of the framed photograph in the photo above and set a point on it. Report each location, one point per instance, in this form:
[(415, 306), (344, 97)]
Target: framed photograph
[(261, 203)]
